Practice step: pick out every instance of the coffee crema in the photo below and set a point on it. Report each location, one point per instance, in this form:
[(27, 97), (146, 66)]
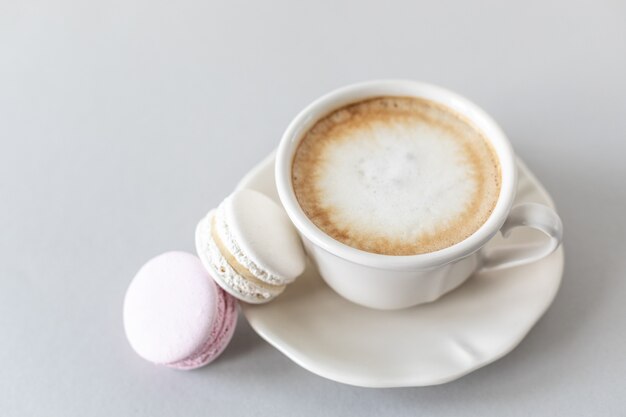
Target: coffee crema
[(396, 176)]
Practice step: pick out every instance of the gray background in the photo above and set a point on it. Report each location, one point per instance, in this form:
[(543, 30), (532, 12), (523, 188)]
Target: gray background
[(122, 122)]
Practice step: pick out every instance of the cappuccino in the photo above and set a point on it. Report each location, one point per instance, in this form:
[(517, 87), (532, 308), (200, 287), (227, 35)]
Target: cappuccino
[(396, 176)]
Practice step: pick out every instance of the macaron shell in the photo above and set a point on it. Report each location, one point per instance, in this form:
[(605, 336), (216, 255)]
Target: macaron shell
[(224, 274), (265, 235), (236, 257), (220, 335), (170, 308)]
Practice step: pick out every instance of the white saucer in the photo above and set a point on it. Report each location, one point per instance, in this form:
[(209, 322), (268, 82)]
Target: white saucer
[(470, 327)]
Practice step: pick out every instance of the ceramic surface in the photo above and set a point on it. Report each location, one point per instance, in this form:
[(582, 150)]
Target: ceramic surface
[(396, 282), (472, 326)]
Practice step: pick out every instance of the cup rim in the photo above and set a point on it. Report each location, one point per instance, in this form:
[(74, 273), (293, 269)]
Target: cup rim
[(393, 87)]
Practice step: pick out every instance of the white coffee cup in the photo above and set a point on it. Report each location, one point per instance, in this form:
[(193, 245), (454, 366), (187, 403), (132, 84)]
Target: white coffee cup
[(393, 282)]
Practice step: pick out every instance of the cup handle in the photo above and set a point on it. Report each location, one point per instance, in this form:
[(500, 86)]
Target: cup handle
[(536, 216)]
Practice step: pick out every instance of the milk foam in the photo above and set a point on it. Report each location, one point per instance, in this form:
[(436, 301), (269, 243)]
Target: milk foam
[(396, 176)]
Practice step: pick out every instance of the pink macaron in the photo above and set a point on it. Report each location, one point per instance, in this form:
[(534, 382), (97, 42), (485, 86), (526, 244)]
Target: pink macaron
[(175, 315)]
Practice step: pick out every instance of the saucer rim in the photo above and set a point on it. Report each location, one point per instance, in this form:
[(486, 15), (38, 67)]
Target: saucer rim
[(301, 360)]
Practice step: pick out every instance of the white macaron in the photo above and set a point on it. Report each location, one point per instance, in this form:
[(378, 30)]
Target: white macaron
[(250, 246)]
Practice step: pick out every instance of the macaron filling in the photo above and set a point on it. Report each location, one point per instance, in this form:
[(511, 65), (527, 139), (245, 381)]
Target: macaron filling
[(251, 290)]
